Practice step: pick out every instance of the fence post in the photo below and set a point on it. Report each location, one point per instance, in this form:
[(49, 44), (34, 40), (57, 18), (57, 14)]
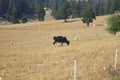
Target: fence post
[(0, 78), (116, 59), (74, 69)]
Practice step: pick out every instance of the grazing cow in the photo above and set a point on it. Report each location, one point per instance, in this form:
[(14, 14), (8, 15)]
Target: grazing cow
[(60, 39)]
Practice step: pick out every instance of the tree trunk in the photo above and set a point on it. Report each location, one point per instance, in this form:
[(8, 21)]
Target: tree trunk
[(114, 33), (65, 20), (88, 24)]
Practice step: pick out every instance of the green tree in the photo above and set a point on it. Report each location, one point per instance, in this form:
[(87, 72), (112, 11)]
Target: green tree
[(14, 15), (116, 5), (40, 12), (65, 11), (99, 10), (112, 6), (3, 7), (24, 18), (88, 16), (77, 9), (114, 24)]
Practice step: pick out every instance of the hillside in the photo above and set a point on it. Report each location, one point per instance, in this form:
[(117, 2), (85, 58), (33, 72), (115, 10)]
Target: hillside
[(27, 52), (48, 15)]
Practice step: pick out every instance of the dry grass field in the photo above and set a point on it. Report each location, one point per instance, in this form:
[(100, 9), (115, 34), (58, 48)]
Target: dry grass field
[(27, 52)]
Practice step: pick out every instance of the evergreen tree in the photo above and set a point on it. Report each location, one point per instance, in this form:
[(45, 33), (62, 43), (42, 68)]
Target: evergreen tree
[(55, 6), (83, 6), (40, 12), (65, 11), (24, 18), (14, 15), (76, 7), (3, 7), (88, 16), (99, 9), (110, 7), (77, 10), (116, 5)]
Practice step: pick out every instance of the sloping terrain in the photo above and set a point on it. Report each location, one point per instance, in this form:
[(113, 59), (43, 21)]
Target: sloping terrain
[(27, 52), (48, 15)]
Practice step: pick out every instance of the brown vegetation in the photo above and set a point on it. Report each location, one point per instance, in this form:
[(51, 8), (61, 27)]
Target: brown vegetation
[(27, 52)]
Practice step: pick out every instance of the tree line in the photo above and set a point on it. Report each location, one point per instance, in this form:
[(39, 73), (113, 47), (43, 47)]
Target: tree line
[(17, 11)]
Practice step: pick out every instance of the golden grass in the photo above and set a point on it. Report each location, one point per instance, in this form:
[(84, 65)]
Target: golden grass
[(27, 53)]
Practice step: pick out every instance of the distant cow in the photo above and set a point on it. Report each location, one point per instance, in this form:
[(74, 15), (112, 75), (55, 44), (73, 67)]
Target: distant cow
[(60, 39)]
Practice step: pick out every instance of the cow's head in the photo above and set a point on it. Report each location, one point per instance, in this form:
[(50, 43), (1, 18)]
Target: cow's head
[(68, 42)]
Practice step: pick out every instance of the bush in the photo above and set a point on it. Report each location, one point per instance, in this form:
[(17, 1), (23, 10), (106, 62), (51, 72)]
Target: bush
[(114, 24)]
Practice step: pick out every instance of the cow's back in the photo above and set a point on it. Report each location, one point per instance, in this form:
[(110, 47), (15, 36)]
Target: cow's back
[(57, 38)]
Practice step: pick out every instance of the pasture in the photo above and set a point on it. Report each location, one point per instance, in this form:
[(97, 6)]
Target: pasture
[(27, 51)]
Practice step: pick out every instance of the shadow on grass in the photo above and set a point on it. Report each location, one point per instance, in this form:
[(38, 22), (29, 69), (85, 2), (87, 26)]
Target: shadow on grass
[(70, 21)]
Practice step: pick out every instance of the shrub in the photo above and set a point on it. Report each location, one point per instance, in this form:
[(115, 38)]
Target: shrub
[(114, 24)]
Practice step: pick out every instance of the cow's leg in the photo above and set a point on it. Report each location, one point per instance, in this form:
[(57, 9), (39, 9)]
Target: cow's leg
[(61, 43), (54, 42)]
